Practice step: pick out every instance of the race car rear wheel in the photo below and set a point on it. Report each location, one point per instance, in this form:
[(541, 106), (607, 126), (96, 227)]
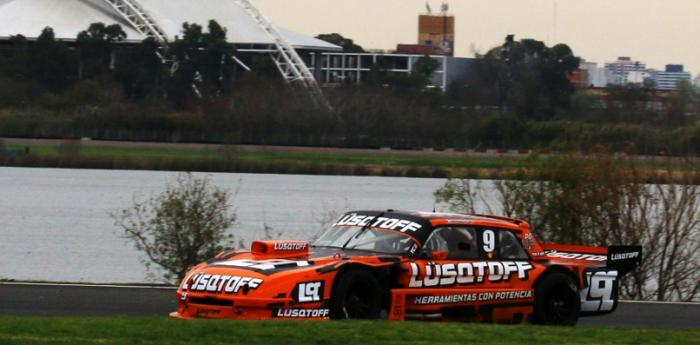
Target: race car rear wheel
[(557, 301), (357, 295)]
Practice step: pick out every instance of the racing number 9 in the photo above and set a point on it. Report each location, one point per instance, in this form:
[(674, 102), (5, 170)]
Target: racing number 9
[(599, 293), (489, 241)]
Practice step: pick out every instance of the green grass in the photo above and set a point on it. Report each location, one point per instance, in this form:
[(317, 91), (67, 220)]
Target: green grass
[(380, 160), (421, 164), (377, 159), (155, 152), (159, 330)]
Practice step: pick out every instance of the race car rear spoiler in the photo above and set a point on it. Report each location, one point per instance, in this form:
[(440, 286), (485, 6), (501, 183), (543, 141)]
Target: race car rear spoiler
[(624, 259), (620, 258)]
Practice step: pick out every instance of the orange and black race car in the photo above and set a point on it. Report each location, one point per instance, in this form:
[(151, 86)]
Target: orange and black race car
[(411, 265)]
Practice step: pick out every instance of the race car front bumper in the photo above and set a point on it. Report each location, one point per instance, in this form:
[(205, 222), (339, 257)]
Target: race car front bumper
[(249, 309)]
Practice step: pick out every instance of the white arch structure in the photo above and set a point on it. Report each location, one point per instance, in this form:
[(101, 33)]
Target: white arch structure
[(135, 14), (289, 63)]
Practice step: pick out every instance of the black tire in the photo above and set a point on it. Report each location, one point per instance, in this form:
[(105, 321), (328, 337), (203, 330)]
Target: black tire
[(557, 301), (357, 295)]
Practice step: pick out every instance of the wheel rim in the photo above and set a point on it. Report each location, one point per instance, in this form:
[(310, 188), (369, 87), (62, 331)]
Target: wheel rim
[(359, 300), (559, 305)]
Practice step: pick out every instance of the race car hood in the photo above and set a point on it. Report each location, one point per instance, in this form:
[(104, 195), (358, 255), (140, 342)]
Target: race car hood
[(284, 255), (271, 262)]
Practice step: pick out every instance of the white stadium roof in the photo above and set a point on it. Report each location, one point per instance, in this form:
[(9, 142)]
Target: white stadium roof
[(69, 17)]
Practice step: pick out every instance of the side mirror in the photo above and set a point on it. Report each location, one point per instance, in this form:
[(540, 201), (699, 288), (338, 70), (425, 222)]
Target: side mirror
[(436, 255)]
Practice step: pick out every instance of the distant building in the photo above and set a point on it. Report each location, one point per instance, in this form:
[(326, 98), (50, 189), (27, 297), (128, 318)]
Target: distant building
[(668, 79), (595, 76), (438, 32), (415, 49), (639, 78), (579, 78), (335, 68), (164, 19), (436, 35), (618, 72)]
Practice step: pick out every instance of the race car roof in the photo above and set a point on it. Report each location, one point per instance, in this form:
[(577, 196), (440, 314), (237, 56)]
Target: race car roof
[(420, 225)]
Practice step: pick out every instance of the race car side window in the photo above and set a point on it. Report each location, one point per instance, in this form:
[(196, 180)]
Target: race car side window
[(457, 242), (499, 244)]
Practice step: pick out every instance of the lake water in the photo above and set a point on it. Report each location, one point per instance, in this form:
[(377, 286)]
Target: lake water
[(55, 223)]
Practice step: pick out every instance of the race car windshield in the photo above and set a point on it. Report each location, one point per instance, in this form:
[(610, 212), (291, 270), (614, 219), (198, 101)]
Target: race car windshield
[(375, 240)]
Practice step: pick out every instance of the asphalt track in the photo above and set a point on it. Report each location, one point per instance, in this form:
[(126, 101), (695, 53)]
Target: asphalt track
[(24, 299)]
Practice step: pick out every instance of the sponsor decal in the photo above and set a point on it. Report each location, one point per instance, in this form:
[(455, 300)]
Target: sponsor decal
[(598, 295), (529, 242), (216, 283), (308, 292), (473, 297), (290, 246), (402, 225), (623, 256), (207, 312), (460, 221), (507, 295), (467, 273), (398, 305), (538, 254), (460, 298), (263, 265), (433, 214), (576, 256), (301, 313)]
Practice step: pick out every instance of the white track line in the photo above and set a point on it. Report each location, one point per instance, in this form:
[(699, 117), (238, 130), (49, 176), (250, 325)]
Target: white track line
[(92, 285)]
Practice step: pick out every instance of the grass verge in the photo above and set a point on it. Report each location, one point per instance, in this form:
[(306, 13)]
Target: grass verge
[(366, 159), (209, 160), (158, 330), (74, 154)]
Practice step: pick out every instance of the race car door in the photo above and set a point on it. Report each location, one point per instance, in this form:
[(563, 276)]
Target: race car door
[(480, 268), (471, 257)]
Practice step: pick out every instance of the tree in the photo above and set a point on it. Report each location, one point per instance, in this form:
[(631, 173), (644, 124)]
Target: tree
[(683, 106), (421, 71), (181, 227), (603, 200), (143, 70), (202, 62), (347, 44), (630, 104), (418, 78), (19, 56), (50, 63), (528, 77), (96, 49)]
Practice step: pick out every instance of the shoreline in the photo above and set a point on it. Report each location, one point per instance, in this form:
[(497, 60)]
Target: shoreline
[(417, 151)]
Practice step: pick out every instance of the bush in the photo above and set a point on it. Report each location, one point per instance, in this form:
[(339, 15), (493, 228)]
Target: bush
[(181, 227), (601, 200)]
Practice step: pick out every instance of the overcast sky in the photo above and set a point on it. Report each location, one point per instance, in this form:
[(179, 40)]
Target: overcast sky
[(655, 32)]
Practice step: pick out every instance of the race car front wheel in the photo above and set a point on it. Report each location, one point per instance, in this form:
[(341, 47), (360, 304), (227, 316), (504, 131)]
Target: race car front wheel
[(357, 295), (557, 301)]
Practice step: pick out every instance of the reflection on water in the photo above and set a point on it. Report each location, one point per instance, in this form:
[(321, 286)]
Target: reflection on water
[(55, 226)]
